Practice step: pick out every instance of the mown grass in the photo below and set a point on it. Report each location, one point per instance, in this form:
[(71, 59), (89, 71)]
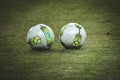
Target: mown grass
[(98, 59)]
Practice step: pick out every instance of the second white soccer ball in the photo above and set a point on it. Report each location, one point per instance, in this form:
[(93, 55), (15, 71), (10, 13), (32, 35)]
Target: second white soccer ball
[(72, 35)]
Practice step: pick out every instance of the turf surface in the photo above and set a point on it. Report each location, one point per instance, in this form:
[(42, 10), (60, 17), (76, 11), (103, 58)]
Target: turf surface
[(98, 59)]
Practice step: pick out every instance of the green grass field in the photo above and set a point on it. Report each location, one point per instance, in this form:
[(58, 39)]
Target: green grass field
[(98, 59)]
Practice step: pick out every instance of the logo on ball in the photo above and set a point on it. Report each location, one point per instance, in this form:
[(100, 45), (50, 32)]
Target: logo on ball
[(34, 41)]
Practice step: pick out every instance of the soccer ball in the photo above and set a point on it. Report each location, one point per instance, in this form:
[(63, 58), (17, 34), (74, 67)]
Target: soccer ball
[(72, 35), (40, 36)]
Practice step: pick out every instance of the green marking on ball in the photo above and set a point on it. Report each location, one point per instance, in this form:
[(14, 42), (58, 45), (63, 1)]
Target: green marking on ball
[(62, 30), (37, 38), (76, 42), (49, 40), (31, 41), (34, 41), (47, 35), (44, 28), (73, 44), (39, 41)]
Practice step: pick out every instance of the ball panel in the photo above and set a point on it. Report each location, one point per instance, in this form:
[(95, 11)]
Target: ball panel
[(67, 39), (50, 30), (47, 35), (76, 42)]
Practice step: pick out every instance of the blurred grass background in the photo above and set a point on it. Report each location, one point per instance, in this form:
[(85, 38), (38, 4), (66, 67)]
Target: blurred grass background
[(98, 59)]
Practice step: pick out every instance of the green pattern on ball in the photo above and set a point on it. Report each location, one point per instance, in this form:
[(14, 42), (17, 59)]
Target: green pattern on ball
[(47, 35), (34, 41), (76, 42), (49, 40), (62, 30)]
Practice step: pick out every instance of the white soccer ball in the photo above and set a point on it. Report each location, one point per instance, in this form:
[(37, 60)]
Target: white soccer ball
[(40, 36), (72, 35)]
